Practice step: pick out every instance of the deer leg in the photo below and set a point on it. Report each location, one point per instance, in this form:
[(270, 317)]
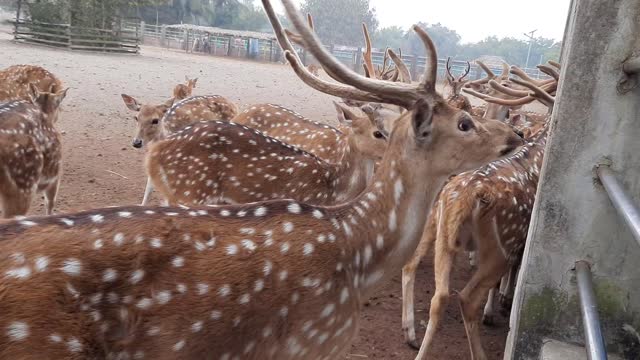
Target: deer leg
[(483, 280), (50, 196), (408, 286), (443, 263), (147, 192), (15, 204), (506, 294), (487, 315)]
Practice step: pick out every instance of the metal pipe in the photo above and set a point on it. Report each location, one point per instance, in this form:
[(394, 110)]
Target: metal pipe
[(588, 308), (621, 200), (631, 66)]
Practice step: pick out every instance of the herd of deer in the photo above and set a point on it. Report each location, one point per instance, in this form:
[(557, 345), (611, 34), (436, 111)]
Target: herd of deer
[(276, 229)]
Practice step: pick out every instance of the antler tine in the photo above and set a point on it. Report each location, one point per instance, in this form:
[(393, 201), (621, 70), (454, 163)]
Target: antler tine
[(431, 70), (368, 54), (310, 21), (448, 66), (506, 102), (505, 70), (555, 64), (401, 67), (466, 72), (485, 68), (524, 76), (508, 91), (549, 71), (367, 73), (539, 93), (393, 93), (385, 61), (335, 89), (297, 38)]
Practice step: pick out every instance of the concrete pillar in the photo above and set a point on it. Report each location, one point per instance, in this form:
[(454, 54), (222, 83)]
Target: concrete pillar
[(573, 218)]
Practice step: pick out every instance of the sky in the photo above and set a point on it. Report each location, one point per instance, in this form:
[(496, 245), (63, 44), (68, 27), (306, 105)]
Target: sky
[(474, 20)]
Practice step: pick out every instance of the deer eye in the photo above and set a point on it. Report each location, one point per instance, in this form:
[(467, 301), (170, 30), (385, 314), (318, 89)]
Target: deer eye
[(155, 121), (378, 135), (465, 125)]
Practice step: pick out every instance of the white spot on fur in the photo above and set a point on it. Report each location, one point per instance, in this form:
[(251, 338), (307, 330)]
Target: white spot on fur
[(72, 267), (18, 331)]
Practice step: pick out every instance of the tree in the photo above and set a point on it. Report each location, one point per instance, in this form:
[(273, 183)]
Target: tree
[(339, 22), (392, 37), (447, 41)]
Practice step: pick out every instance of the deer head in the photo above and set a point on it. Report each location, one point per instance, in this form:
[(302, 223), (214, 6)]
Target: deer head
[(183, 91), (148, 120), (48, 102)]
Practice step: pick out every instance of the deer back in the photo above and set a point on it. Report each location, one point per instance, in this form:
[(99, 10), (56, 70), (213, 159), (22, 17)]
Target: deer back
[(292, 128), (30, 148), (15, 80), (167, 283), (198, 108)]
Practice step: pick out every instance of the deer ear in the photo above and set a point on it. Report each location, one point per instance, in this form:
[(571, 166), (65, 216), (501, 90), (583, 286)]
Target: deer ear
[(34, 93), (345, 115), (168, 104), (131, 103), (194, 82), (56, 99), (422, 120)]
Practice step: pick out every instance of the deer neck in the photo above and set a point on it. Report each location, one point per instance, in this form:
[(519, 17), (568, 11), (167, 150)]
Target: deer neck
[(385, 223), (352, 171)]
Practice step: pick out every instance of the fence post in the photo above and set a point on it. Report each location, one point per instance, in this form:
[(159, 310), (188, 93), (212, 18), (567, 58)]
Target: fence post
[(163, 36), (17, 18), (140, 35), (229, 47), (270, 50), (414, 67), (358, 62)]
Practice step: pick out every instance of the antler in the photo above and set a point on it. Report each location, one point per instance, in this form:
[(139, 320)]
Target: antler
[(490, 75), (401, 68), (297, 38), (450, 76), (466, 72), (368, 53), (353, 85)]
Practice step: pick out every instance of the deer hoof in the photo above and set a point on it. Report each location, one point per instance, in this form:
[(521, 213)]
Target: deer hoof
[(414, 344), (488, 320)]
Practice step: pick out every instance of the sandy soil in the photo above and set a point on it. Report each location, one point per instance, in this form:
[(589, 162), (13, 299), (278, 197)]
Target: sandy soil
[(102, 169)]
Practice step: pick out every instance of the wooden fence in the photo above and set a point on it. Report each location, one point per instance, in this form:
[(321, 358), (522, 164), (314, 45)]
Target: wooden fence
[(78, 38), (264, 47)]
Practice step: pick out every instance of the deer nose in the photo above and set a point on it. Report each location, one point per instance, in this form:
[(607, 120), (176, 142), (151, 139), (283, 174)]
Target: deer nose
[(137, 143), (519, 132)]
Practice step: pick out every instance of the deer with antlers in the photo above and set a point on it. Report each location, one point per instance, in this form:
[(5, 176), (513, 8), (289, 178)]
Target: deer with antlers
[(269, 280), (15, 80), (183, 91), (456, 83), (486, 210), (30, 151)]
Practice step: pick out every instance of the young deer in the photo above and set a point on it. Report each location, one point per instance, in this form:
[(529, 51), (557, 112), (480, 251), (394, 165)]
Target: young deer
[(15, 80), (155, 123), (215, 162), (183, 91), (486, 210), (270, 280), (30, 151)]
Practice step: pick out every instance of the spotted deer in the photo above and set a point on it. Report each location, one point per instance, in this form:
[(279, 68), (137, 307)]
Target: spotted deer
[(486, 210), (30, 151), (456, 83), (216, 162), (183, 91), (319, 139), (15, 80), (155, 123), (268, 280)]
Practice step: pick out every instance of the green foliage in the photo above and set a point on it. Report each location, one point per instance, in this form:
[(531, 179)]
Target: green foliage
[(447, 41), (340, 21), (48, 11)]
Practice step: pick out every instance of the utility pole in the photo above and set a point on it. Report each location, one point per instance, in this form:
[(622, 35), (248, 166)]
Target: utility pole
[(531, 38)]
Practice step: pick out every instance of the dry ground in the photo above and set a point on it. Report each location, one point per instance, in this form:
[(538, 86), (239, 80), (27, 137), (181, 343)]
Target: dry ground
[(102, 169)]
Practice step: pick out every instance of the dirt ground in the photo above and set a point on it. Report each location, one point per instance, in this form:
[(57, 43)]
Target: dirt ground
[(102, 169)]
